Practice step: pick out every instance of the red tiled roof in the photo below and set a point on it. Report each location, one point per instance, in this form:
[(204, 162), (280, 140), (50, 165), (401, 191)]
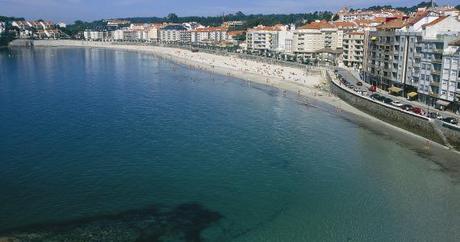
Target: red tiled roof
[(344, 24), (417, 17), (267, 28), (392, 24), (355, 33), (323, 24), (434, 22), (235, 33), (211, 29)]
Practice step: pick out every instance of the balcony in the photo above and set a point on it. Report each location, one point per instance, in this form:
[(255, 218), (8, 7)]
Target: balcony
[(435, 72), (432, 94)]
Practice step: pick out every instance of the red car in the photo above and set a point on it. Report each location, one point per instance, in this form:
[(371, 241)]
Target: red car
[(417, 110), (373, 88)]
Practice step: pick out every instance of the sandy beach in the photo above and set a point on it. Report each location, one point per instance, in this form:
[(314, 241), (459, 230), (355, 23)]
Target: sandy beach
[(310, 84)]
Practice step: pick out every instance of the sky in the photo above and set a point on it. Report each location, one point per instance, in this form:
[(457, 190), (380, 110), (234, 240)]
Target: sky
[(70, 10)]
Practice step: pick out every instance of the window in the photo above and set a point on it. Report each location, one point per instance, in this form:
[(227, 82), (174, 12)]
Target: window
[(453, 74)]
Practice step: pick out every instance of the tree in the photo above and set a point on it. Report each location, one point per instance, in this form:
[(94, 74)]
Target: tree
[(172, 17), (239, 14), (458, 7)]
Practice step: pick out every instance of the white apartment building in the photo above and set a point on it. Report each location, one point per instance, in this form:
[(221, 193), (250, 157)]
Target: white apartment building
[(270, 38), (209, 35), (441, 25), (96, 35), (439, 68), (346, 15), (451, 74), (353, 49), (174, 33), (153, 32), (317, 36), (125, 35)]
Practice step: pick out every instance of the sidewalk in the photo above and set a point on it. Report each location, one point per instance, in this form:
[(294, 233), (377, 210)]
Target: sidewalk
[(353, 77)]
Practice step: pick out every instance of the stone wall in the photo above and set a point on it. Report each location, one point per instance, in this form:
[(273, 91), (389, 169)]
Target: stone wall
[(452, 134), (414, 123)]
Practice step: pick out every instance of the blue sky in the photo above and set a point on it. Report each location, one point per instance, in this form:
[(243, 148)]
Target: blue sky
[(71, 10)]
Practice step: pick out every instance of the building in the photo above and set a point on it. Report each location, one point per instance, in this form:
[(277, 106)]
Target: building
[(209, 35), (353, 49), (174, 33), (451, 68), (347, 15), (393, 56), (346, 26), (116, 23), (192, 25), (439, 66), (125, 35), (2, 27), (316, 36), (96, 35), (232, 24), (153, 32), (263, 38)]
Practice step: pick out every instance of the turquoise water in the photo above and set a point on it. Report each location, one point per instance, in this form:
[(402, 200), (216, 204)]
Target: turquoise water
[(90, 138)]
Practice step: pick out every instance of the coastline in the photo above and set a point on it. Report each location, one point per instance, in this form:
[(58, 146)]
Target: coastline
[(310, 85)]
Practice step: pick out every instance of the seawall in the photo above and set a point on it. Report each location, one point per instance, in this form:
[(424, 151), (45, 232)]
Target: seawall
[(435, 130)]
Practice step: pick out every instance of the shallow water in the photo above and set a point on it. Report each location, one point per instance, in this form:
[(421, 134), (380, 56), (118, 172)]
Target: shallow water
[(92, 137)]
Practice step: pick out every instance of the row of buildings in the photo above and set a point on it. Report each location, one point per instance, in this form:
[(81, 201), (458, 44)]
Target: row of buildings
[(38, 29), (416, 55), (168, 33)]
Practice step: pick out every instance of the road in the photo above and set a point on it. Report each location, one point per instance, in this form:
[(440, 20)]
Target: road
[(353, 80)]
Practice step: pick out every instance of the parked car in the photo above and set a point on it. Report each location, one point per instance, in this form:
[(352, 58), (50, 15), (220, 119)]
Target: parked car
[(417, 110), (397, 104), (450, 120), (434, 115), (407, 107), (373, 88), (387, 100), (376, 96), (359, 84)]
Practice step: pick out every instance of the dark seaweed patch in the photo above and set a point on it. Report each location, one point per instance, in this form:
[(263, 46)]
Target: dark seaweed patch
[(183, 223)]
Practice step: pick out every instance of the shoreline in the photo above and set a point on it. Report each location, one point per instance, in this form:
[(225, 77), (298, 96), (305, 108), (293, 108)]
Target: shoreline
[(313, 91)]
